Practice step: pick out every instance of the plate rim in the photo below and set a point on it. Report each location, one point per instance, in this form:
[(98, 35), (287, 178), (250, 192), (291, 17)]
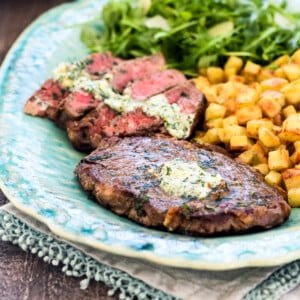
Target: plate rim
[(121, 250)]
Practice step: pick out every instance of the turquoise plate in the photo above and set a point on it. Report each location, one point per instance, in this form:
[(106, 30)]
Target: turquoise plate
[(37, 163)]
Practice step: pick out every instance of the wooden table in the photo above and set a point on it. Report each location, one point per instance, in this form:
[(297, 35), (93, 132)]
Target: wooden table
[(22, 275)]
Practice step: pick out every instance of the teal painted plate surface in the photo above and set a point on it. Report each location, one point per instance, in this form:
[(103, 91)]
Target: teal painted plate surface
[(37, 163)]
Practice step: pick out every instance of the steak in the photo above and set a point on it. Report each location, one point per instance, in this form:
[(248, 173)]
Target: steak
[(154, 83), (46, 101), (102, 96), (134, 123), (79, 103), (129, 176), (135, 68), (81, 132)]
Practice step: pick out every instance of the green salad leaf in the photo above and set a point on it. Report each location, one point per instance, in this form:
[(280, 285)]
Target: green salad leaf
[(195, 34)]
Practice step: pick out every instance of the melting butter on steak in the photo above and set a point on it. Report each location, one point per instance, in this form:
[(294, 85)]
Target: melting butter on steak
[(219, 195)]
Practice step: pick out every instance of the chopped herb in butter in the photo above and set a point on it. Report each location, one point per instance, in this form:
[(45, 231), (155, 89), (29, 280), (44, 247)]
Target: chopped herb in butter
[(74, 77), (187, 179)]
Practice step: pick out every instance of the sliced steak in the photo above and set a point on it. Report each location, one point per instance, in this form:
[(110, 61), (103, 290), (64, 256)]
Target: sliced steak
[(49, 100), (132, 69), (133, 123), (98, 64), (46, 101), (79, 103), (154, 83), (133, 178), (92, 125)]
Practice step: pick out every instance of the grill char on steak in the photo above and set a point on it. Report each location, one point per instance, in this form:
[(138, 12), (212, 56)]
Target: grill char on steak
[(122, 175)]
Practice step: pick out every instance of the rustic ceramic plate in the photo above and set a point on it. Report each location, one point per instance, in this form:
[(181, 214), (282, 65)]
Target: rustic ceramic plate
[(37, 162)]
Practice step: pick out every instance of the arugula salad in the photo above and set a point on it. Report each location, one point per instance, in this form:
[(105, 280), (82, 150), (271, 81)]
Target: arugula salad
[(195, 34)]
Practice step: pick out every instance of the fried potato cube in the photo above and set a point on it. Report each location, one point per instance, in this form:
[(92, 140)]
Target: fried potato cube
[(210, 94), (291, 178), (251, 70), (227, 91), (291, 71), (281, 60), (268, 138), (201, 82), (274, 84), (262, 168), (231, 120), (292, 91), (214, 111), (253, 126), (289, 110), (269, 105), (291, 128), (230, 73), (265, 74), (246, 96), (231, 130), (234, 62), (278, 96), (214, 123), (279, 159), (295, 157), (279, 73), (254, 155), (297, 146), (294, 197), (248, 113), (215, 75), (212, 136), (239, 143), (273, 178), (234, 78), (296, 56)]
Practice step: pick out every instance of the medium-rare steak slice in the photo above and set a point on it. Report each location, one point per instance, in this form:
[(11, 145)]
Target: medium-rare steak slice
[(132, 123), (153, 84), (80, 132), (135, 68), (46, 101), (176, 111), (180, 186), (79, 103)]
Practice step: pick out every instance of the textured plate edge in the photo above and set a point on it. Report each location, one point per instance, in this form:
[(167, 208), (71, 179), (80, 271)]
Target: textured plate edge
[(123, 250)]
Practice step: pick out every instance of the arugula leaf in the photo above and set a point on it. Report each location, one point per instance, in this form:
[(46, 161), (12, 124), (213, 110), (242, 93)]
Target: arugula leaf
[(197, 37)]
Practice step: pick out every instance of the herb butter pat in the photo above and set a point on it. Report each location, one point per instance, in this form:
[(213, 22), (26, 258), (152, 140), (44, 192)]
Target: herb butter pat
[(187, 179)]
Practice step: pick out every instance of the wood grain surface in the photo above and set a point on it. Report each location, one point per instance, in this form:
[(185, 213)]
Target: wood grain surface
[(23, 275)]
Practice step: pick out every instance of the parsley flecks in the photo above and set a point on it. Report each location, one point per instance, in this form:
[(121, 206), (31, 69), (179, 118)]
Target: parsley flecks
[(198, 35)]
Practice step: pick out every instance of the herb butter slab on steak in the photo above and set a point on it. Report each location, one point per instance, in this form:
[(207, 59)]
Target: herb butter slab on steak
[(180, 186)]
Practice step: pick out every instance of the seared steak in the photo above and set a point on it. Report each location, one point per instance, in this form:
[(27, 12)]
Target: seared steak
[(133, 178), (190, 102), (154, 83), (46, 101), (81, 132), (102, 96), (132, 69), (78, 103)]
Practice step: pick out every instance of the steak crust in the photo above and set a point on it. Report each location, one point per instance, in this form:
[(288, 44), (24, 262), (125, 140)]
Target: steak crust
[(122, 175)]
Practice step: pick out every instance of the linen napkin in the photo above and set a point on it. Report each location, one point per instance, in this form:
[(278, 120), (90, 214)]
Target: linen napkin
[(141, 279)]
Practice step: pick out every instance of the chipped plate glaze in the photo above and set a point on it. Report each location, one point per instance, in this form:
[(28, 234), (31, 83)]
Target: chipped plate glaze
[(37, 163)]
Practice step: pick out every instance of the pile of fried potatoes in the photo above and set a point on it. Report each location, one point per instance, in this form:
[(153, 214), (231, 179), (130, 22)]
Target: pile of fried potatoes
[(254, 112)]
